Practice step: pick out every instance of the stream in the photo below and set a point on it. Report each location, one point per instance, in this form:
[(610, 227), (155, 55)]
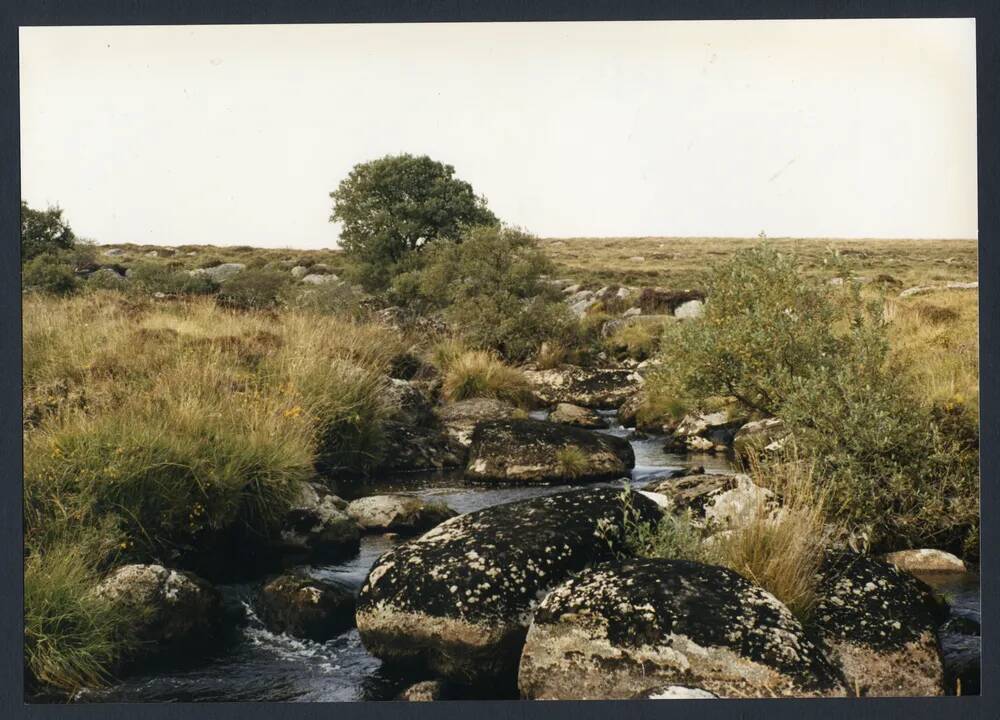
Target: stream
[(258, 665)]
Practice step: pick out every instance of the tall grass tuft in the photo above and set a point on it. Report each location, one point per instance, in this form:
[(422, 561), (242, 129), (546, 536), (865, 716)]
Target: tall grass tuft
[(480, 374)]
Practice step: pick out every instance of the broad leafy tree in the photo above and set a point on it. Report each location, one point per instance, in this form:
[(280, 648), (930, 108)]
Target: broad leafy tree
[(391, 207), (43, 231)]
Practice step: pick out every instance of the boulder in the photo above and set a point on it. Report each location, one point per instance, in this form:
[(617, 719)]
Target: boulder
[(925, 561), (568, 414), (414, 448), (425, 691), (690, 310), (410, 405), (299, 272), (318, 528), (305, 607), (315, 279), (880, 625), (112, 252), (461, 417), (706, 432), (177, 611), (765, 435), (458, 600), (402, 514), (618, 630), (657, 301), (693, 492), (219, 273), (739, 504), (537, 452), (603, 388)]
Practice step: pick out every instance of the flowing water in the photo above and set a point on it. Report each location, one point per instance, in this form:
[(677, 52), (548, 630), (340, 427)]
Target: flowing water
[(259, 665)]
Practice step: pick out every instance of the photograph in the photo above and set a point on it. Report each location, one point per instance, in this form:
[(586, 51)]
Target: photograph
[(500, 361)]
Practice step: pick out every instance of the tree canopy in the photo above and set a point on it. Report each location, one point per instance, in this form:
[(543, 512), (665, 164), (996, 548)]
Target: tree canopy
[(397, 204), (43, 231)]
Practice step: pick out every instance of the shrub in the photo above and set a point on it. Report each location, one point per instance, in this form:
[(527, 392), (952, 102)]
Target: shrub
[(252, 290), (43, 232), (492, 287), (479, 374), (394, 206), (49, 273), (818, 357)]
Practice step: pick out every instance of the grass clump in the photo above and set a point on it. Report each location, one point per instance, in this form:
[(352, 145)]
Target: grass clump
[(72, 637), (481, 374), (571, 461)]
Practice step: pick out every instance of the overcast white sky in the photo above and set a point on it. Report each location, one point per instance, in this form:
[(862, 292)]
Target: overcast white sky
[(236, 134)]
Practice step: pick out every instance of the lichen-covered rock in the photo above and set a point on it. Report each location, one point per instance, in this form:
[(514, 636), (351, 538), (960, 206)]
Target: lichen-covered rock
[(409, 404), (458, 599), (880, 626), (425, 691), (568, 414), (414, 448), (537, 452), (599, 388), (675, 692), (177, 610), (402, 514), (707, 432), (460, 418), (317, 527), (653, 300), (693, 492), (618, 630), (738, 505), (690, 310), (926, 560), (759, 436), (219, 273), (305, 607)]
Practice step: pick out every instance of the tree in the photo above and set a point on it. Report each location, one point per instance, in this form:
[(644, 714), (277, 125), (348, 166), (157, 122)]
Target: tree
[(391, 207), (43, 231)]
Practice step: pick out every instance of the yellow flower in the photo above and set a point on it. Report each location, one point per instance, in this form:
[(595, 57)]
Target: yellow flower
[(293, 412)]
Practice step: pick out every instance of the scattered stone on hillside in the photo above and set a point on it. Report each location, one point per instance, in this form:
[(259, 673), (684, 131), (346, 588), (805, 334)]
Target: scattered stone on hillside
[(880, 624), (925, 560), (178, 610), (299, 272), (458, 600), (618, 630), (922, 289), (690, 310), (569, 414), (572, 289), (219, 273), (610, 327), (406, 320), (637, 259), (661, 301), (632, 312), (106, 276), (598, 388), (538, 452), (461, 417), (112, 252), (767, 435), (305, 607), (317, 526), (314, 279), (402, 514)]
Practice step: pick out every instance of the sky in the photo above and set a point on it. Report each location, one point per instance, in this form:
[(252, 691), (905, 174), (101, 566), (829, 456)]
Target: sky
[(235, 135)]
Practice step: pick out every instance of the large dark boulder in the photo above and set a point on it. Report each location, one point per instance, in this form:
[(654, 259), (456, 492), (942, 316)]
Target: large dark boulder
[(458, 600), (619, 630), (460, 417), (880, 624), (415, 448), (317, 528), (598, 388), (537, 452), (305, 607)]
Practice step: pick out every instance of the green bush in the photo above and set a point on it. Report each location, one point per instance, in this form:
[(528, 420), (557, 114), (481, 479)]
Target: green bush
[(43, 232), (396, 205), (817, 356), (49, 272), (492, 287), (252, 289)]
